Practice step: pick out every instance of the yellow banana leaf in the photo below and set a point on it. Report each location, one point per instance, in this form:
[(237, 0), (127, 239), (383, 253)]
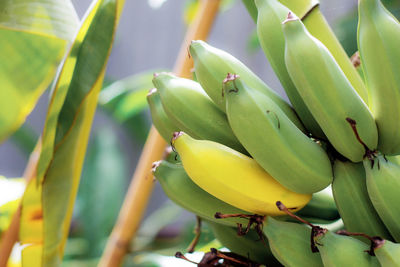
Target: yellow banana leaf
[(33, 34), (65, 136), (11, 191)]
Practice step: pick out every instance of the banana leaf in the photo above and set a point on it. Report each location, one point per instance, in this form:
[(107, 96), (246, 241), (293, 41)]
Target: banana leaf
[(11, 191), (125, 100), (65, 136), (97, 206), (34, 36)]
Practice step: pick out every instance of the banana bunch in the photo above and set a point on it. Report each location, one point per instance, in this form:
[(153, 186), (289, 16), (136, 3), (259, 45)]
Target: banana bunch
[(329, 155)]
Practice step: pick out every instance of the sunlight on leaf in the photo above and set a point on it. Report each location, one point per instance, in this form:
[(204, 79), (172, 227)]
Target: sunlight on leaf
[(34, 36), (26, 76), (102, 190), (50, 17), (67, 129)]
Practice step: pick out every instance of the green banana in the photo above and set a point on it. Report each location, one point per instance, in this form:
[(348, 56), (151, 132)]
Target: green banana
[(190, 108), (271, 13), (211, 67), (310, 13), (292, 158), (378, 43), (317, 25), (383, 183), (290, 243), (179, 188), (350, 191), (387, 253), (233, 177), (338, 250), (327, 92), (249, 245), (160, 119), (322, 206)]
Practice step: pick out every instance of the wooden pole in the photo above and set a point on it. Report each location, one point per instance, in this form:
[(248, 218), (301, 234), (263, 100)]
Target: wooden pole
[(140, 189)]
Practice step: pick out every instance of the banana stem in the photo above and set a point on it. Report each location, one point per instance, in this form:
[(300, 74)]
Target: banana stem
[(142, 184), (197, 231)]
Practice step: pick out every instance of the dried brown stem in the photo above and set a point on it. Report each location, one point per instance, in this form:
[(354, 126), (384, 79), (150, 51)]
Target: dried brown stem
[(197, 231)]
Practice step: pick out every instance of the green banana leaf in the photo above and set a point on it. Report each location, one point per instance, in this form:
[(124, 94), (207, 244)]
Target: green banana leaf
[(34, 36), (101, 192), (125, 100), (25, 138), (65, 135)]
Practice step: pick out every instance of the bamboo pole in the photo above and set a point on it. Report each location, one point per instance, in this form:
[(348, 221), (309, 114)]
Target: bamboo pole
[(140, 189), (10, 237)]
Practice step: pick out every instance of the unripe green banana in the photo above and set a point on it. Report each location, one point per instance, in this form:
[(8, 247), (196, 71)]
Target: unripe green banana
[(387, 253), (180, 188), (248, 245), (211, 67), (160, 119), (322, 206), (379, 42), (192, 110), (233, 177), (350, 191), (310, 13), (271, 13), (292, 158), (338, 251), (290, 243), (327, 92), (383, 183)]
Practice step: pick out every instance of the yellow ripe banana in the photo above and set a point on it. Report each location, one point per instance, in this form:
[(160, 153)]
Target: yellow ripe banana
[(233, 177), (379, 46)]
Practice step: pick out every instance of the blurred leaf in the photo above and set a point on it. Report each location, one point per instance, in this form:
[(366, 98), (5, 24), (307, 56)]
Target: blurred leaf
[(25, 77), (76, 248), (346, 27), (125, 100), (33, 35), (25, 138), (251, 9), (66, 131), (171, 239), (253, 44), (49, 17), (165, 215), (11, 191), (80, 263), (127, 97), (191, 7), (102, 190)]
